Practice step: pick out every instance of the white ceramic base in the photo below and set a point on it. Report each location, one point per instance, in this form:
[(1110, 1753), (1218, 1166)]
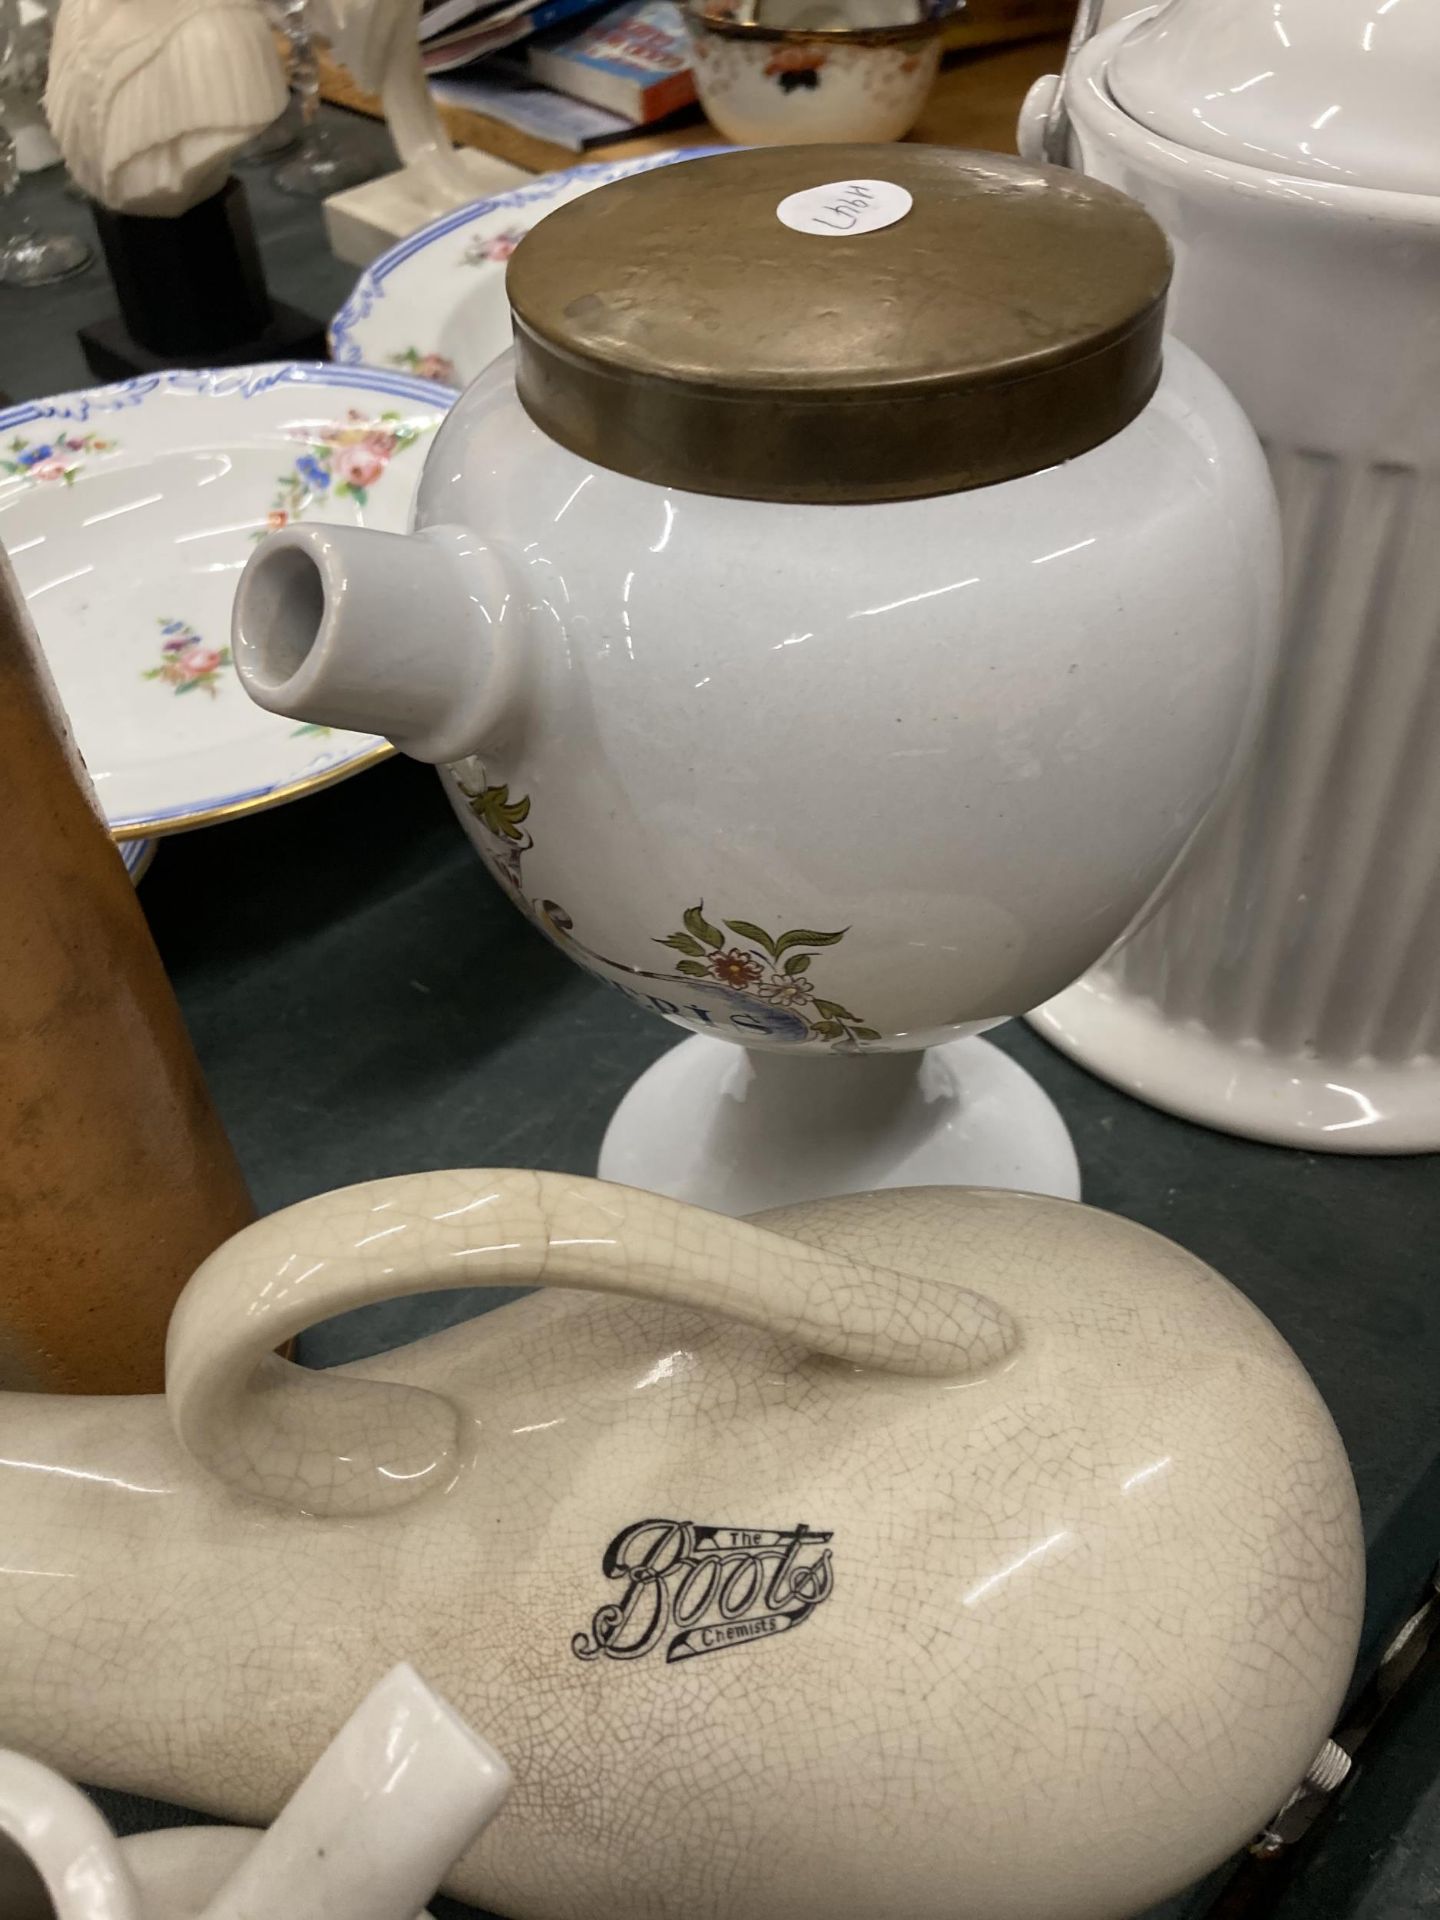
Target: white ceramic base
[(737, 1131), (363, 221), (1239, 1087)]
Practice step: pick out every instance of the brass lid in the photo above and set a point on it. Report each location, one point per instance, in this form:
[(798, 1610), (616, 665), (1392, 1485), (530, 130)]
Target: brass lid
[(671, 327)]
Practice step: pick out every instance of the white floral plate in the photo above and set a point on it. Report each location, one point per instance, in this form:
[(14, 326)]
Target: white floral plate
[(128, 512), (435, 303)]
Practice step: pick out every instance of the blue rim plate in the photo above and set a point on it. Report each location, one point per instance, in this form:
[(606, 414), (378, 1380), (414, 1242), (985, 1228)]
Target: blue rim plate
[(128, 512), (137, 855), (434, 304)]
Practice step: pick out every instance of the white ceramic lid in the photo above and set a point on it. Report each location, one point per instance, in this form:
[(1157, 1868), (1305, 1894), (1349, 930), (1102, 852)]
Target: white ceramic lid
[(1339, 90)]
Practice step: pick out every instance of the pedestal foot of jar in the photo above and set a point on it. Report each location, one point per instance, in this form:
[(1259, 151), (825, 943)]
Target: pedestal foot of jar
[(1293, 1100), (738, 1131)]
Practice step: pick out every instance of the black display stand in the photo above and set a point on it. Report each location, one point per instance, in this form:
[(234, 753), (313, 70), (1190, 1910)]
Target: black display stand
[(192, 294)]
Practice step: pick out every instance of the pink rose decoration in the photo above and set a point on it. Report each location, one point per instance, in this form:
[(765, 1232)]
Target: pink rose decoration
[(49, 470), (380, 443), (358, 466), (198, 660)]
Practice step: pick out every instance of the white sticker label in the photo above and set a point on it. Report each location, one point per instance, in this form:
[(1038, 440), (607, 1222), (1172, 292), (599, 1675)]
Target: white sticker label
[(845, 206)]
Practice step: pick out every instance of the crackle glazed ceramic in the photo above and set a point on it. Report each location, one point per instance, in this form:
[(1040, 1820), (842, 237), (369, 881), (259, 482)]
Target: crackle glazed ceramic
[(818, 1566), (129, 512), (1289, 987), (838, 614), (795, 73), (400, 1792)]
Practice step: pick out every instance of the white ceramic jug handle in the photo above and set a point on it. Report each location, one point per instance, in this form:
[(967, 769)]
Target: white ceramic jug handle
[(338, 1443), (67, 1841)]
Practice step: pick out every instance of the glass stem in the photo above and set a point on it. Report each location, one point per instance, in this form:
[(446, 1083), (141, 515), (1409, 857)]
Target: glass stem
[(11, 226), (306, 75)]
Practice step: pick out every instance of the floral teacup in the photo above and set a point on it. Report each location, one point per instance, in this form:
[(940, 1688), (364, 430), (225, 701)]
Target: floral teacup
[(797, 72)]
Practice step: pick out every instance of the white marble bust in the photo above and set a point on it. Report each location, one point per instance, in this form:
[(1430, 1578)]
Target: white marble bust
[(150, 99)]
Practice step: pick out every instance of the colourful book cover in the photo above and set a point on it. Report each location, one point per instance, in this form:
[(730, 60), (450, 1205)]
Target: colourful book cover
[(634, 61), (497, 28)]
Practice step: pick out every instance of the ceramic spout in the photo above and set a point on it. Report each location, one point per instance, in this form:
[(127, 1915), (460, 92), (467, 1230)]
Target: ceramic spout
[(391, 1804), (399, 1794), (375, 632)]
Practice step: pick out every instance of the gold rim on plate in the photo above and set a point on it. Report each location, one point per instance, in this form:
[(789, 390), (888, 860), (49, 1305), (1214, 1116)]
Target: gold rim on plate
[(255, 802)]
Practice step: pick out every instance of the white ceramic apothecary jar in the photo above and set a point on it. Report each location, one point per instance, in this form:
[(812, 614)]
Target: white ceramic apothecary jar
[(835, 617), (1290, 986)]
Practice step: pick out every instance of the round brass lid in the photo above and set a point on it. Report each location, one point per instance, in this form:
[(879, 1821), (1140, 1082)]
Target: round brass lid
[(674, 327)]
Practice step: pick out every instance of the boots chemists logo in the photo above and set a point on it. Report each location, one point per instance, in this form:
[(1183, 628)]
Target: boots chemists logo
[(697, 1589)]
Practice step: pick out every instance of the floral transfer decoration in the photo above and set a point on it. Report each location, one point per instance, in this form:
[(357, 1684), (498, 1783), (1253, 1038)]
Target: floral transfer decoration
[(52, 461), (742, 977), (771, 967), (493, 248), (186, 661), (792, 67), (427, 366), (501, 818), (342, 462)]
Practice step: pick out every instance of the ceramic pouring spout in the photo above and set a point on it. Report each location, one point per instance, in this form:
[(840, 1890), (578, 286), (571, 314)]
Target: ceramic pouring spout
[(399, 1794), (375, 632), (395, 1799)]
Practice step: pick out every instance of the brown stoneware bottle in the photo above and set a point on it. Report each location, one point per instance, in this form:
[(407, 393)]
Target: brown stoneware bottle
[(116, 1177)]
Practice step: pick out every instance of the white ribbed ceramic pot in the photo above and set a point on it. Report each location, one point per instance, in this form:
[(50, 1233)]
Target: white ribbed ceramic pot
[(1287, 987)]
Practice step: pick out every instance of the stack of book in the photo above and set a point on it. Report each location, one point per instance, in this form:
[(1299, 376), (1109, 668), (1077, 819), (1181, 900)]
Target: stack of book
[(572, 71)]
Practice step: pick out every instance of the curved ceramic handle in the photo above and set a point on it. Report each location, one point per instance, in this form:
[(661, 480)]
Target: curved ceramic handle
[(76, 1855), (1043, 131), (1055, 136), (338, 1444)]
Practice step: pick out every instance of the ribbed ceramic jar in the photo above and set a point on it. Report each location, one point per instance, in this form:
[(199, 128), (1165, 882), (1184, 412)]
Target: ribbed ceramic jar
[(1289, 986)]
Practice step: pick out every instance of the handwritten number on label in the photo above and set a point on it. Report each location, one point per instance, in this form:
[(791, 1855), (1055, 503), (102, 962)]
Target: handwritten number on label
[(845, 207)]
